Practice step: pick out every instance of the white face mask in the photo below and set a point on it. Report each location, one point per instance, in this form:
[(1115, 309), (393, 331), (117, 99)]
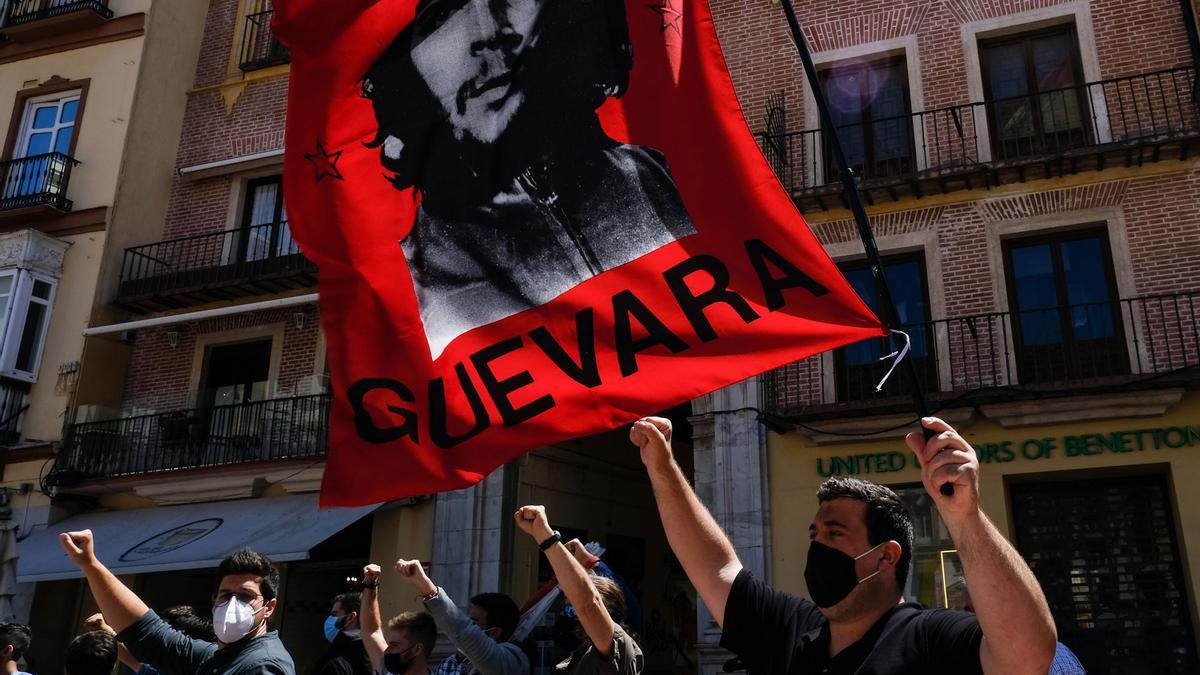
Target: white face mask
[(233, 620)]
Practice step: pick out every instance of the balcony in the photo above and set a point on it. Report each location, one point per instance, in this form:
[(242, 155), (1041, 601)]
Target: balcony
[(220, 436), (1135, 343), (12, 404), (27, 20), (35, 186), (1119, 122), (259, 48), (212, 267)]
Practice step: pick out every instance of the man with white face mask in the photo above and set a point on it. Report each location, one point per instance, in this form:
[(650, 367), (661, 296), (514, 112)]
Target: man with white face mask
[(245, 599)]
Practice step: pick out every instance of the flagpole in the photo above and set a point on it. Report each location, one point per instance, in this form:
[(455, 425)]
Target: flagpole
[(886, 303)]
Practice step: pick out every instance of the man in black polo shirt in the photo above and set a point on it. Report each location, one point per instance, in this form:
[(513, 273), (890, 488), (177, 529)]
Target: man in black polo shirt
[(861, 542)]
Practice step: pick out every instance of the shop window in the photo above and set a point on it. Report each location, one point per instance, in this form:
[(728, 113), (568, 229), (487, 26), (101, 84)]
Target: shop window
[(871, 113), (935, 578), (25, 303), (1066, 318), (1034, 92), (858, 366), (264, 232)]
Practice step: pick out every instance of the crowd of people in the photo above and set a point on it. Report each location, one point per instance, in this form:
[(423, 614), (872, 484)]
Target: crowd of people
[(855, 620)]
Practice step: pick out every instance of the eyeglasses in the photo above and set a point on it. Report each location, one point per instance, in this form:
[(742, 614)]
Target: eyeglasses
[(223, 597)]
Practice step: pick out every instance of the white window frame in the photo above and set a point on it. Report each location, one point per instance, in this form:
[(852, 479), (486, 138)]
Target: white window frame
[(12, 330), (61, 98)]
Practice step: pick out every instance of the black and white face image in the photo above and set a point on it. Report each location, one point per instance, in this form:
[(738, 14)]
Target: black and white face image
[(487, 108), (466, 52)]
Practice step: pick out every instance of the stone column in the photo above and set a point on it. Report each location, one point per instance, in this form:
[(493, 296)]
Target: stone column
[(469, 530), (731, 479)]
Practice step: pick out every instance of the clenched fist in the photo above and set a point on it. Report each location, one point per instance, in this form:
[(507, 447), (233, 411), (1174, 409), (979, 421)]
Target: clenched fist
[(533, 521), (79, 548), (412, 572)]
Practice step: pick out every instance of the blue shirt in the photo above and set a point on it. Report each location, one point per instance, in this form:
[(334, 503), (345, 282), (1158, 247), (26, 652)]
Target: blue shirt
[(1065, 662)]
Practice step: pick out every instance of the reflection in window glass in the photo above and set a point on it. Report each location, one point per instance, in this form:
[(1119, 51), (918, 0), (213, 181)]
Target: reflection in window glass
[(931, 552)]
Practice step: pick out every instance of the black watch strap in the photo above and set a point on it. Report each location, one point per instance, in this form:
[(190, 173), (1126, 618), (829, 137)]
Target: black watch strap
[(550, 541)]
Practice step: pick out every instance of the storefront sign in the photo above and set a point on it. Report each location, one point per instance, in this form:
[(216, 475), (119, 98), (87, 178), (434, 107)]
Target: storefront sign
[(172, 539), (1137, 440)]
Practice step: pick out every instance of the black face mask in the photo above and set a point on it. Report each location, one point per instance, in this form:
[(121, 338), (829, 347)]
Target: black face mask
[(397, 662), (830, 573)]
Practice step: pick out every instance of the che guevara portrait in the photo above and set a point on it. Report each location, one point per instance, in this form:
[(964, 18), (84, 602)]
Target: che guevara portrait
[(488, 109)]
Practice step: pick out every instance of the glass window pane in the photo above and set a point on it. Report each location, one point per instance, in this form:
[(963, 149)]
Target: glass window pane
[(844, 89), (1088, 289), (39, 144), (70, 109), (1005, 65), (1036, 294), (889, 110), (41, 289), (44, 116), (1053, 57), (867, 351), (907, 285), (31, 337), (930, 540), (63, 144)]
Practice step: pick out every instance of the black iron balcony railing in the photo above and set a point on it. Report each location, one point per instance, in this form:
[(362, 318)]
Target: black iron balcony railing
[(21, 12), (224, 435), (1087, 346), (260, 49), (12, 404), (40, 180), (1084, 126), (215, 266)]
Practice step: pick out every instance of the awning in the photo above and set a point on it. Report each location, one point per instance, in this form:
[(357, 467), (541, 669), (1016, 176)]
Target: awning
[(190, 536)]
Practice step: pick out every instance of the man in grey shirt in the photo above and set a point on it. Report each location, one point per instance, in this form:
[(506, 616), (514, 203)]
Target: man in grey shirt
[(480, 635), (243, 604)]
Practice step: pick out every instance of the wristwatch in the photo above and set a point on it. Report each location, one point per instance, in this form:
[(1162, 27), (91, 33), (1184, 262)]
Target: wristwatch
[(550, 541)]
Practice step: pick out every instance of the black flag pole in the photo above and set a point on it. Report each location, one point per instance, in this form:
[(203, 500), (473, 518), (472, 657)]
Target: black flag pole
[(887, 304)]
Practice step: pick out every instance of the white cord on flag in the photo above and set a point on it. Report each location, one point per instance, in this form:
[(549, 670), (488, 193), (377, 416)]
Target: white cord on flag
[(898, 355)]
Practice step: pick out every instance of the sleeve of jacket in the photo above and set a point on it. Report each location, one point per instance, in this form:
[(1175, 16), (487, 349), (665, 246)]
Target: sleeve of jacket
[(489, 656), (150, 639)]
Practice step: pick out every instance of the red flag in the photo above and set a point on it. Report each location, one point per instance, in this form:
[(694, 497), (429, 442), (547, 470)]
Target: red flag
[(534, 220)]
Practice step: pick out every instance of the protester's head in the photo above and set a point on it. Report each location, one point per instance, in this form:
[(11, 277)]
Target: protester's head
[(92, 653), (14, 640), (246, 595), (612, 596), (186, 620), (410, 638), (469, 67), (496, 614), (343, 613), (861, 545)]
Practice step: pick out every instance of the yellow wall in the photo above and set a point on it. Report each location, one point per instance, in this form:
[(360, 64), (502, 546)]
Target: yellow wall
[(794, 478), (51, 395), (113, 69), (405, 532)]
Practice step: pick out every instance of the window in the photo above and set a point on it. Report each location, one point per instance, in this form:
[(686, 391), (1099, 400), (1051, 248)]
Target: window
[(870, 107), (264, 232), (25, 302), (933, 580), (259, 48), (44, 140), (858, 366), (1035, 93), (1065, 313)]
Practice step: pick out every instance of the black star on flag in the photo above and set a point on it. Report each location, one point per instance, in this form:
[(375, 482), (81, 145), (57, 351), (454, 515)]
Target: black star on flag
[(325, 162), (670, 15)]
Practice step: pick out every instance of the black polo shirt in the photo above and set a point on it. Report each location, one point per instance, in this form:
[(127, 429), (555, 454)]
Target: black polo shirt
[(779, 634)]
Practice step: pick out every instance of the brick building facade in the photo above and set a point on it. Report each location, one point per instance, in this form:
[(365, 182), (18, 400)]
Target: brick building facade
[(1029, 172)]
